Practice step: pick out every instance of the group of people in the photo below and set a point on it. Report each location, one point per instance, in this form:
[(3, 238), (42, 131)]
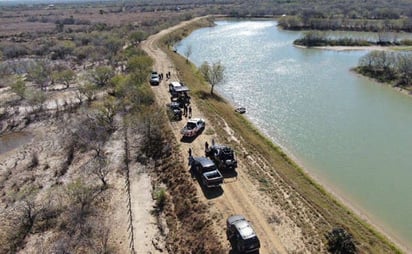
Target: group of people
[(167, 76), (190, 159)]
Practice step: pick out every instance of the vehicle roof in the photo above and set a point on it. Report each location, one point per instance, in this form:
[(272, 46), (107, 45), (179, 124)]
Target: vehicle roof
[(181, 89), (219, 146), (204, 161), (175, 84), (194, 120), (174, 104), (242, 226), (235, 218)]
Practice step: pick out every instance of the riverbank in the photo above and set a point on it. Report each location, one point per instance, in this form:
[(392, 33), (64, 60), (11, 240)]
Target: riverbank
[(346, 48), (317, 199)]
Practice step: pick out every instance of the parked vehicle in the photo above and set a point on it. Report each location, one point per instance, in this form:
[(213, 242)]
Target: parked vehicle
[(223, 156), (174, 111), (177, 89), (241, 235), (154, 78), (207, 173), (193, 127)]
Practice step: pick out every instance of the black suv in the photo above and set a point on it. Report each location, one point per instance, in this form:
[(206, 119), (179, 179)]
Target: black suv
[(223, 156), (174, 111), (241, 235)]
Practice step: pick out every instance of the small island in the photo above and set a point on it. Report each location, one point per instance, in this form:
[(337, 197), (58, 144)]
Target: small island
[(389, 60)]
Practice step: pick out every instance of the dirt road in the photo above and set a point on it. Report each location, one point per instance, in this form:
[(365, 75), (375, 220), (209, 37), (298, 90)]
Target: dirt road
[(238, 194)]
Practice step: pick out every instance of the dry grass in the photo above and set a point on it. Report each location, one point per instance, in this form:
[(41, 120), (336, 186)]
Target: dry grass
[(316, 197), (17, 22), (187, 217)]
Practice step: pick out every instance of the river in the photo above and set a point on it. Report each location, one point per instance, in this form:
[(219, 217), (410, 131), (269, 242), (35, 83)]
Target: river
[(351, 133)]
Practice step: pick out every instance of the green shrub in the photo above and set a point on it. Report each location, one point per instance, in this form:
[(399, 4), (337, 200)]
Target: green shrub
[(160, 197)]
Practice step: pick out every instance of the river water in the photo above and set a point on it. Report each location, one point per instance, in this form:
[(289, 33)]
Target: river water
[(350, 132)]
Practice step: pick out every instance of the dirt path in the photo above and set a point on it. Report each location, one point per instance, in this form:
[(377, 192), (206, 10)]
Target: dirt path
[(239, 195)]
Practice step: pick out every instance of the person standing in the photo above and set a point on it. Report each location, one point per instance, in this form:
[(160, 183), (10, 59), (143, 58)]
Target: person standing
[(185, 110), (190, 159), (190, 111)]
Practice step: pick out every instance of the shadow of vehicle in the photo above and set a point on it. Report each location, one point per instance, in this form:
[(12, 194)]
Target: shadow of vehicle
[(229, 174), (185, 139), (232, 251), (211, 193)]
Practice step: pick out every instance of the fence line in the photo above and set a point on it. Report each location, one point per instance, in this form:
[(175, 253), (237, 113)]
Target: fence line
[(129, 198)]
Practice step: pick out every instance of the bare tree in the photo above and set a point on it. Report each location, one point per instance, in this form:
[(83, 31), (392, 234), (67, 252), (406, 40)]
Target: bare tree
[(90, 135), (106, 113), (213, 73), (40, 74), (80, 198), (188, 52), (404, 68), (99, 166)]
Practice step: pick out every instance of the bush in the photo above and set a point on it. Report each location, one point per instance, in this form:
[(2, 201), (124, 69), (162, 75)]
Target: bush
[(62, 49), (14, 50), (160, 197), (340, 241), (312, 39)]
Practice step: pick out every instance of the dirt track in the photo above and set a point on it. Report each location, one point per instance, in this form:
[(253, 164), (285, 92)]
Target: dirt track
[(240, 195)]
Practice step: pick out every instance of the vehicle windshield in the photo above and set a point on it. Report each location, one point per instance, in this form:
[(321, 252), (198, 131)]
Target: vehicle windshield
[(252, 242), (227, 156), (190, 126), (210, 168)]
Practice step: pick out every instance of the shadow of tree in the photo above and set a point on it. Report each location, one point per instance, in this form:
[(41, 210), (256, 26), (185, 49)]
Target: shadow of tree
[(208, 96)]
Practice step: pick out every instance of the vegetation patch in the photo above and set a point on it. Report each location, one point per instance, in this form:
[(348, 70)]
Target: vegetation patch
[(393, 67), (321, 39), (187, 217)]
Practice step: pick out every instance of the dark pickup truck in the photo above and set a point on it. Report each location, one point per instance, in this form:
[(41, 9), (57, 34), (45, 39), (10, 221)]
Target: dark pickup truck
[(207, 173)]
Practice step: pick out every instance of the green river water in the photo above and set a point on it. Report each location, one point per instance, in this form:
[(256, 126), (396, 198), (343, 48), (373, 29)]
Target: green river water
[(353, 134)]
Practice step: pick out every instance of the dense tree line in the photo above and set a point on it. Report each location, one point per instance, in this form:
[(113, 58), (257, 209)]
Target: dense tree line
[(321, 38), (298, 22), (386, 66), (368, 15)]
